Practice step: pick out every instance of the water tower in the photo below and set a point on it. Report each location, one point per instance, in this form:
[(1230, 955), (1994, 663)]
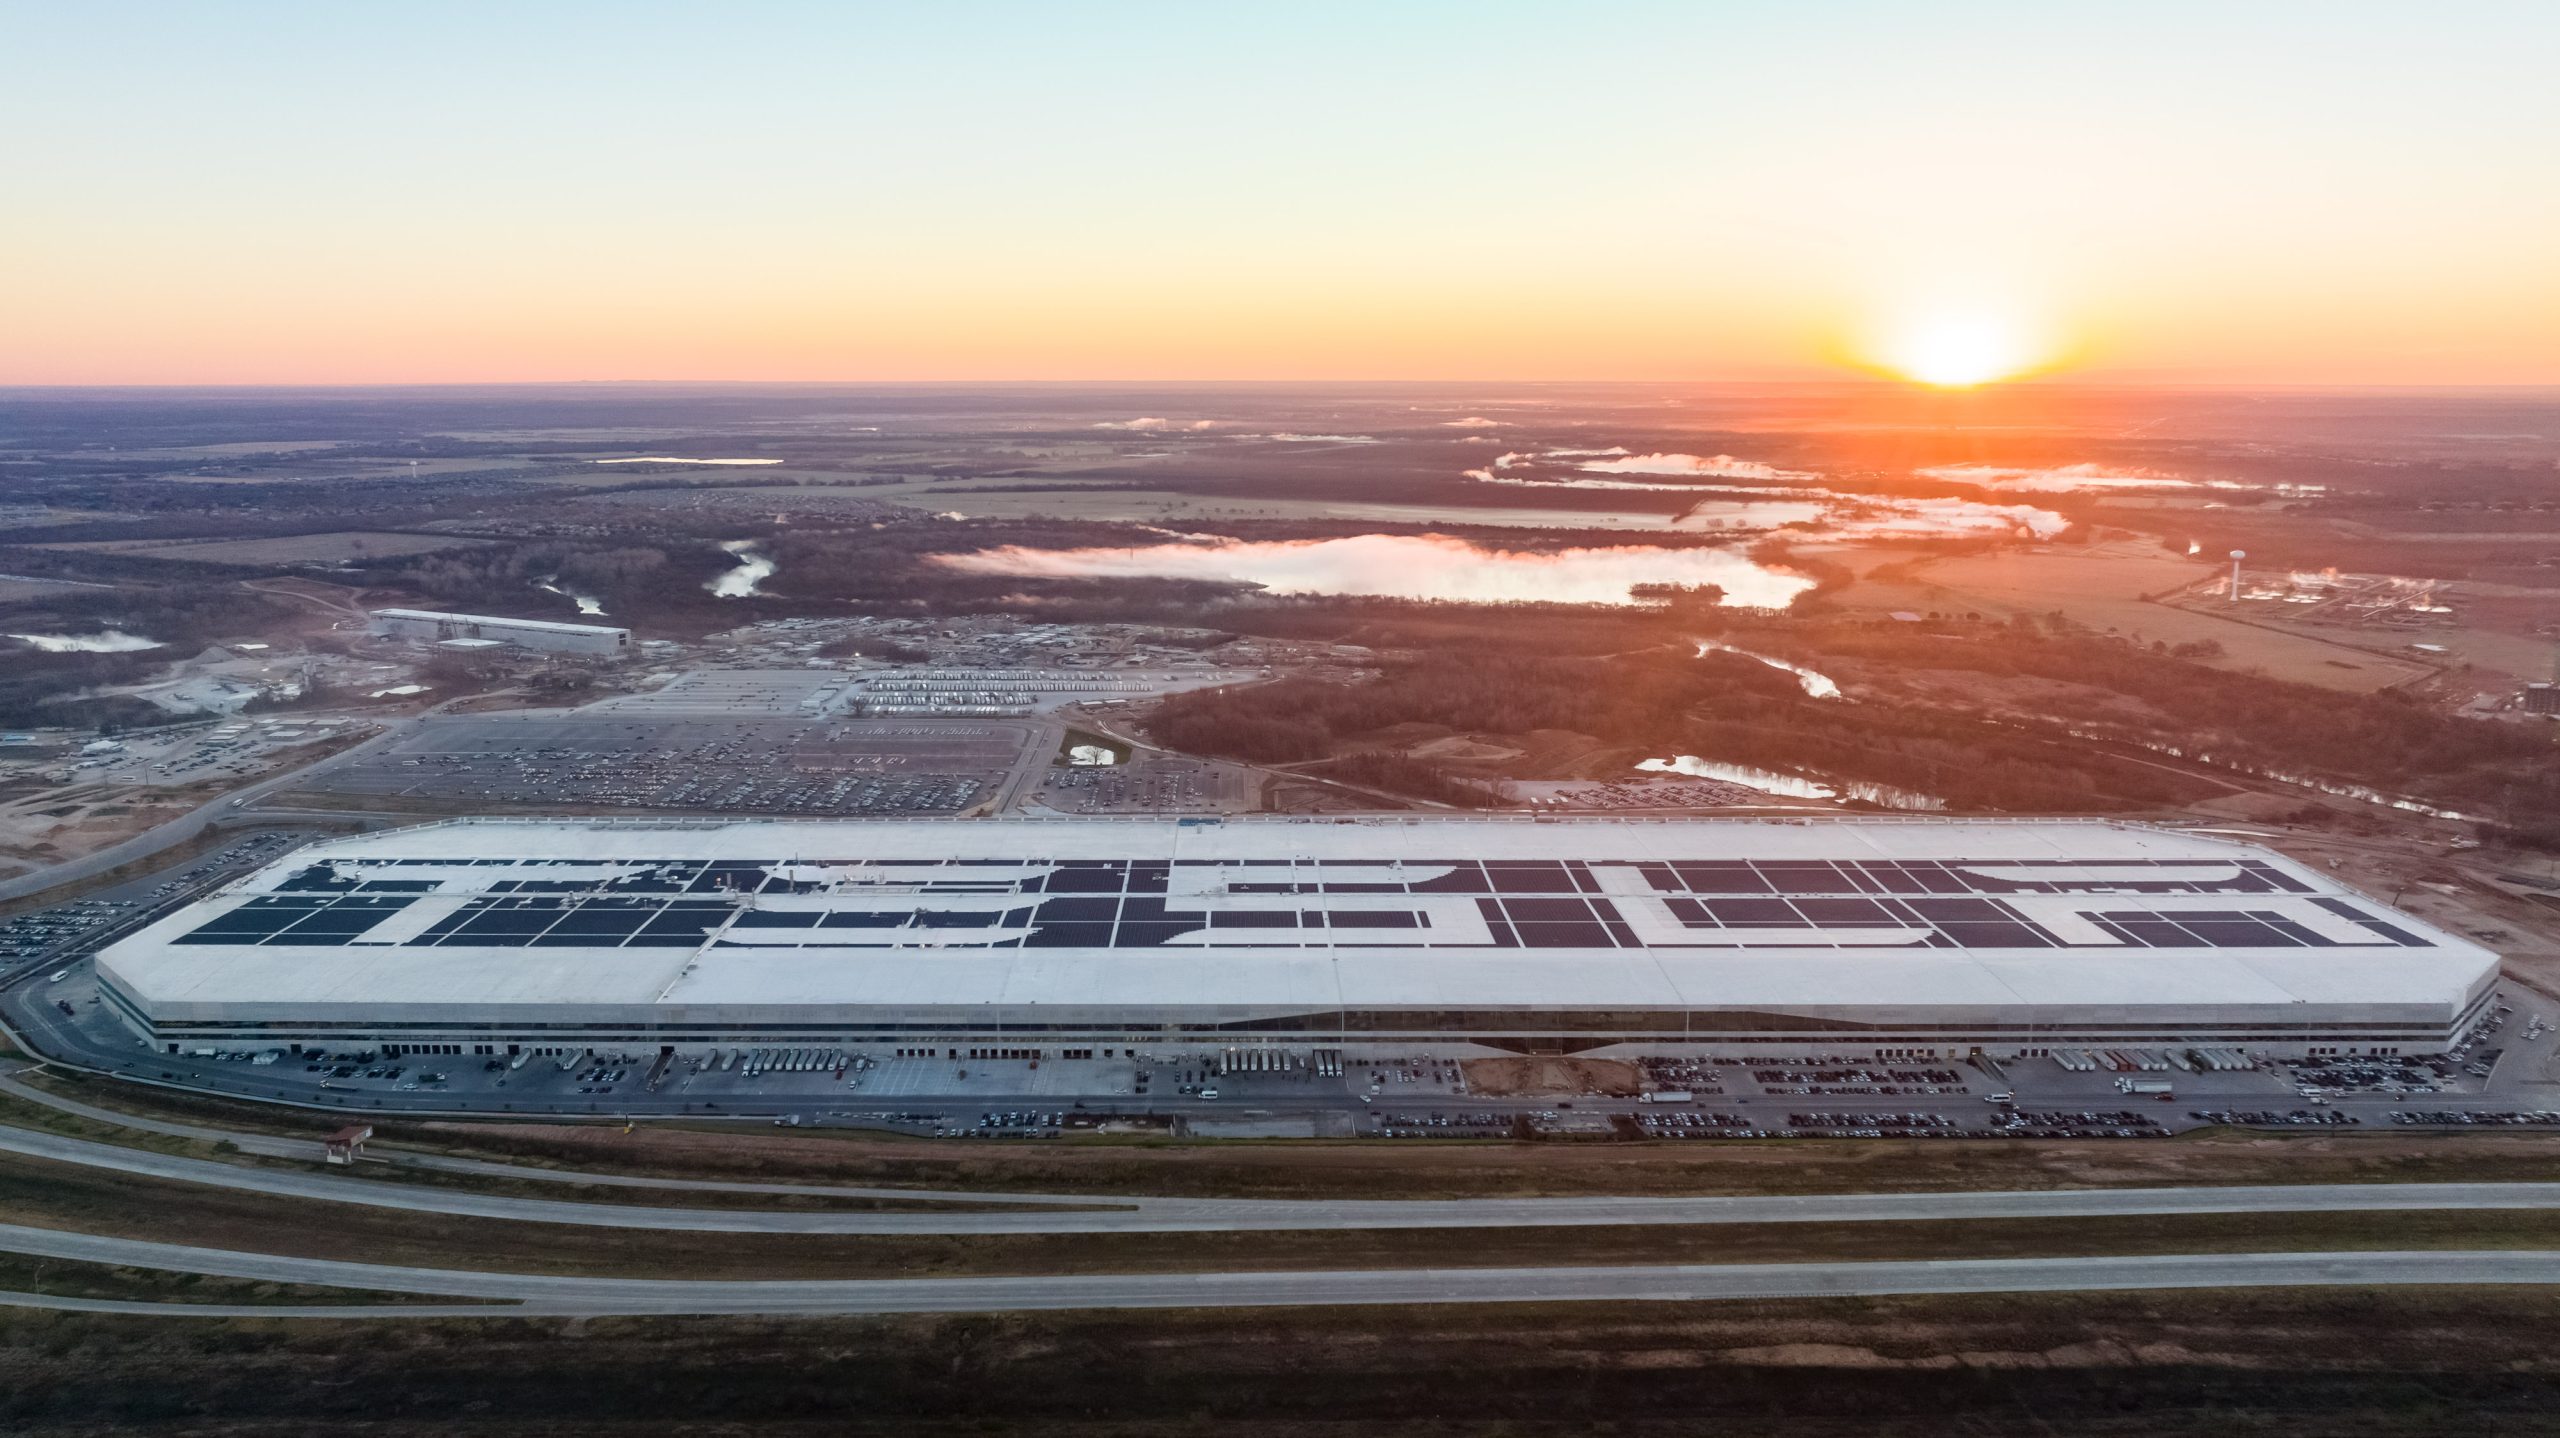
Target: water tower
[(2236, 556)]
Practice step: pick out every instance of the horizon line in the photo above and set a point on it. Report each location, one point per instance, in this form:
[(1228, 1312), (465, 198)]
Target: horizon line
[(2149, 380)]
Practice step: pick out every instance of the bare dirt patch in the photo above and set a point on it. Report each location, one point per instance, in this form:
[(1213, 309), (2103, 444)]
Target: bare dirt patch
[(1511, 1078)]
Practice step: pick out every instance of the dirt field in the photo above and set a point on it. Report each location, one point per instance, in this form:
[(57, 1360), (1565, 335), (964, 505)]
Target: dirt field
[(1290, 1170), (2103, 586), (295, 549), (1506, 1078), (32, 838)]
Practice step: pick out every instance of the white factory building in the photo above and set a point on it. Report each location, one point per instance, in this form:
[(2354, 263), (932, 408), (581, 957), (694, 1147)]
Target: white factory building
[(429, 626), (1910, 936)]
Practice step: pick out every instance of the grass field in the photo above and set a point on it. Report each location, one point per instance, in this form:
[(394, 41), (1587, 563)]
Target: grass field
[(291, 549), (62, 1278), (2104, 587), (2399, 1364)]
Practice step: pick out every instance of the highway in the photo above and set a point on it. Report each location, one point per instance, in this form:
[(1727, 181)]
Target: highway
[(986, 1213), (599, 1297)]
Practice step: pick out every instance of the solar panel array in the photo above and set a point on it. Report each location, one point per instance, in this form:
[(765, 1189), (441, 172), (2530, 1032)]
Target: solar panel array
[(1138, 904)]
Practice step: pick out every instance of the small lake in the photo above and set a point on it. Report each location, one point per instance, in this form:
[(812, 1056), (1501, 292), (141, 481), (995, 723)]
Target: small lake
[(671, 459), (105, 641), (1785, 786), (754, 568), (588, 604), (1794, 786), (1425, 566), (1817, 685)]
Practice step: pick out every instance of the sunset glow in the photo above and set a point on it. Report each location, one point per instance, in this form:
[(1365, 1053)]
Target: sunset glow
[(811, 193), (1956, 351)]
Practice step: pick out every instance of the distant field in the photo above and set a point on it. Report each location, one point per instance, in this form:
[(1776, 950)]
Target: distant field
[(975, 500), (296, 549), (13, 589), (2103, 588)]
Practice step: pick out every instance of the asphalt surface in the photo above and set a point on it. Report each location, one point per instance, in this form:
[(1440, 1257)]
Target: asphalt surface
[(597, 1297)]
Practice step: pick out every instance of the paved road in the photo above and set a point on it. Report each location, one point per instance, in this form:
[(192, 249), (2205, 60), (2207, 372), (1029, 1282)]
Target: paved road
[(1211, 1215), (552, 1295)]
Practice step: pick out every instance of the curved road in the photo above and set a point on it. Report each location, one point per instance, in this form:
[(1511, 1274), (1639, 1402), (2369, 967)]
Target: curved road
[(595, 1297)]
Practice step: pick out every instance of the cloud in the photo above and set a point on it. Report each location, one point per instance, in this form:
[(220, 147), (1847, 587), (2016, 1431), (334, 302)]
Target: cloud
[(1720, 466), (1155, 425), (1472, 421), (1325, 438)]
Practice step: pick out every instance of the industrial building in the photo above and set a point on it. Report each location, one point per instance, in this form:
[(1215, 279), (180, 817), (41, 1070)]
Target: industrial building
[(428, 626), (1909, 936)]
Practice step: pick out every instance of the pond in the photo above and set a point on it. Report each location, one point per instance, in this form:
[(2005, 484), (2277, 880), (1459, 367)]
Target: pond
[(754, 568), (1817, 685), (588, 605), (1398, 566), (1793, 786), (105, 641)]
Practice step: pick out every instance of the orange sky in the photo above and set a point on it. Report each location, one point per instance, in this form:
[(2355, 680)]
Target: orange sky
[(2353, 194)]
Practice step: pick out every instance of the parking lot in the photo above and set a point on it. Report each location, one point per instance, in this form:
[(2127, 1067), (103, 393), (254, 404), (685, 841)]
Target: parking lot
[(71, 929), (756, 693), (996, 1089), (748, 766), (1151, 784), (1002, 1091)]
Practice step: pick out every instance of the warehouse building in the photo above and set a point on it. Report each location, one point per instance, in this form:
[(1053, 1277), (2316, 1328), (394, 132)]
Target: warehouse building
[(1909, 936), (429, 626)]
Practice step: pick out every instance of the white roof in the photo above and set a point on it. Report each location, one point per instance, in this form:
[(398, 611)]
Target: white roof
[(2067, 888), (493, 621)]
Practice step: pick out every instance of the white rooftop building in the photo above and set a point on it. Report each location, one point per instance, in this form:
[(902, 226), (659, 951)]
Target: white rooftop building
[(1931, 936), (432, 626)]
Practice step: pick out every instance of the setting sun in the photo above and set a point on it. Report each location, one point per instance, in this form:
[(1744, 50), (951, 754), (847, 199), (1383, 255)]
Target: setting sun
[(1957, 351)]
